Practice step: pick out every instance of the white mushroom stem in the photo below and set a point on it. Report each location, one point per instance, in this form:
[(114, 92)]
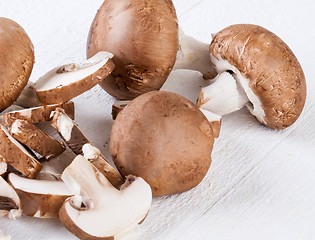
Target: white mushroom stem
[(98, 209), (194, 55), (223, 96)]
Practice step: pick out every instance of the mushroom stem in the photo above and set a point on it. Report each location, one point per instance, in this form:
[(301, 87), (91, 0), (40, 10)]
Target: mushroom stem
[(194, 55), (223, 96)]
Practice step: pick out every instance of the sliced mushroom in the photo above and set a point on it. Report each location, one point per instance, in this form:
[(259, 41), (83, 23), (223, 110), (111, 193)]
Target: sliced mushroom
[(16, 61), (258, 70), (35, 139), (143, 35), (64, 83), (165, 139), (16, 155), (98, 210), (10, 205), (40, 198), (3, 167), (37, 114), (79, 144)]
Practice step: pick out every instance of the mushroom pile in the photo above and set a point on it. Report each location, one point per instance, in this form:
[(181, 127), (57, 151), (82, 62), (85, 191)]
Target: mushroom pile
[(160, 143)]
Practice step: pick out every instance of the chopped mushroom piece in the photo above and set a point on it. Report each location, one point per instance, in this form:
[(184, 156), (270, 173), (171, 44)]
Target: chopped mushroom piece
[(16, 61), (40, 198), (79, 144), (165, 139), (3, 167), (35, 139), (258, 70), (16, 155), (64, 83), (144, 37), (98, 210), (37, 114), (10, 205)]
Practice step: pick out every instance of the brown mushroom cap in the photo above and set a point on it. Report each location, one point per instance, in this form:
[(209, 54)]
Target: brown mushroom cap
[(273, 71), (165, 139), (143, 36), (16, 61)]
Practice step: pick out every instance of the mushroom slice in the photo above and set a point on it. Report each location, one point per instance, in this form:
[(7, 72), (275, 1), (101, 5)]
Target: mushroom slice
[(258, 70), (79, 144), (16, 155), (35, 139), (16, 61), (37, 114), (98, 210), (64, 83), (40, 198), (10, 204), (3, 167)]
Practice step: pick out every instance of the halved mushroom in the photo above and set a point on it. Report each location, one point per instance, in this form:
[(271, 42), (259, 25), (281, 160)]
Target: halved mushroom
[(79, 144), (16, 155), (165, 139), (10, 204), (66, 82), (16, 61), (37, 114), (35, 139), (258, 70), (40, 198), (143, 35), (98, 210)]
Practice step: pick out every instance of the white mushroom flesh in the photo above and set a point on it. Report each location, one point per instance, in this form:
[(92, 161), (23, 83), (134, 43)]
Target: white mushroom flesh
[(7, 191), (57, 78), (64, 126), (212, 117), (43, 187), (240, 89), (107, 211)]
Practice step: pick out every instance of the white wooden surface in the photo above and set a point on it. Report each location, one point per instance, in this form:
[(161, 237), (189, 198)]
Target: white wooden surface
[(261, 182)]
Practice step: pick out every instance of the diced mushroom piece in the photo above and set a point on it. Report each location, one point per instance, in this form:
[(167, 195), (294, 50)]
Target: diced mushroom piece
[(35, 139), (16, 61), (98, 210), (117, 107), (16, 155), (10, 205), (40, 198), (3, 167), (64, 83), (79, 144), (257, 70), (37, 114)]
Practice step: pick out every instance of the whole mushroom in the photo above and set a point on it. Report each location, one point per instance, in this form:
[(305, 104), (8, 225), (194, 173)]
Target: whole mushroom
[(16, 61), (165, 139), (258, 70), (147, 44)]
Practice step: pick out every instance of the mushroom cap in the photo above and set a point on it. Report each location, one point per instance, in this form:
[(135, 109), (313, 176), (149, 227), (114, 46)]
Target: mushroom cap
[(274, 73), (165, 139), (143, 36), (16, 61)]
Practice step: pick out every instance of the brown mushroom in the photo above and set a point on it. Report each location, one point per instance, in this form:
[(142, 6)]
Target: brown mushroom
[(257, 69), (10, 204), (16, 155), (16, 61), (143, 35), (165, 139), (35, 139)]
